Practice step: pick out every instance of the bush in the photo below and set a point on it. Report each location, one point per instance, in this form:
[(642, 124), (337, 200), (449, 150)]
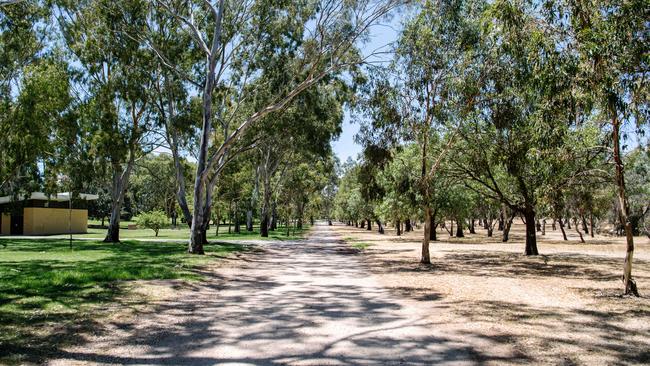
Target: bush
[(154, 220)]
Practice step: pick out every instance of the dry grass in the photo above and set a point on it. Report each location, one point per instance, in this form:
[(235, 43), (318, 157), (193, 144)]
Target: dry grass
[(561, 307)]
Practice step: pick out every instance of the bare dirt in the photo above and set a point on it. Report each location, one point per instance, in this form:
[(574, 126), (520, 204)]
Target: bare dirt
[(322, 302), (561, 307)]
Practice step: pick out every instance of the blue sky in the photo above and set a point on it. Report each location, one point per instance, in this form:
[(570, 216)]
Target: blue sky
[(382, 36)]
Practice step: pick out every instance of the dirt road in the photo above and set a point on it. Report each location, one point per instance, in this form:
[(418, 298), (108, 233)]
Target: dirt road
[(306, 302)]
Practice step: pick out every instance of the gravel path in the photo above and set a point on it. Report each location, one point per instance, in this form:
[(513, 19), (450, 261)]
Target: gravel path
[(308, 302)]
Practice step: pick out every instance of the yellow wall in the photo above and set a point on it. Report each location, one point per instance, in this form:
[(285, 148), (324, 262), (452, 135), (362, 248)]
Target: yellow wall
[(39, 221), (6, 224)]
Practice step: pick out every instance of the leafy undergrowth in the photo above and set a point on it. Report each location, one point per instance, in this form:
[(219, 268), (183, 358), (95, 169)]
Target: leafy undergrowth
[(48, 291)]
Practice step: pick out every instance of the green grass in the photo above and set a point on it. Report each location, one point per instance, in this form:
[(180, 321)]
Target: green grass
[(47, 289), (354, 243), (360, 246), (183, 232)]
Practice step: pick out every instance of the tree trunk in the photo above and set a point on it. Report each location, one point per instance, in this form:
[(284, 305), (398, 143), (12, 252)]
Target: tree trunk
[(432, 225), (426, 258), (459, 228), (629, 284), (369, 227), (398, 227), (591, 224), (237, 228), (249, 220), (575, 223), (531, 233), (538, 225), (584, 224), (471, 226), (543, 226), (506, 226), (433, 235), (274, 216), (553, 224), (120, 184), (266, 205), (502, 219), (408, 227), (363, 224), (380, 227), (559, 221)]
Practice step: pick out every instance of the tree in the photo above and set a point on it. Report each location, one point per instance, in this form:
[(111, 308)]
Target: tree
[(24, 68), (236, 32), (154, 220), (115, 70), (611, 39), (414, 98), (519, 126)]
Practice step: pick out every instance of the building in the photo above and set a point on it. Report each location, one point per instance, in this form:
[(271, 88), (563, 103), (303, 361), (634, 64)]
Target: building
[(38, 214)]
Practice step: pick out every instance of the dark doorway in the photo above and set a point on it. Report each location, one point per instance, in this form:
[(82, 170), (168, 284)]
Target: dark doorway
[(16, 225)]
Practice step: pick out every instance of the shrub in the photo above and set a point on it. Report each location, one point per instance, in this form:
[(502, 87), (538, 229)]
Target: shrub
[(154, 220)]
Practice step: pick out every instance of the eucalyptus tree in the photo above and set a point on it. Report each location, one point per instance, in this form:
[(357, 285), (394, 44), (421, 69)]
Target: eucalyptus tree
[(417, 98), (232, 36), (525, 110), (303, 129), (611, 38), (177, 111), (114, 77), (23, 37)]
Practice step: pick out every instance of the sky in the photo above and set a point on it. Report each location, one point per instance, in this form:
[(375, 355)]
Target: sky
[(382, 36)]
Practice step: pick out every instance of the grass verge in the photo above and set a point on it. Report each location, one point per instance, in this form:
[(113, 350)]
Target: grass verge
[(48, 291)]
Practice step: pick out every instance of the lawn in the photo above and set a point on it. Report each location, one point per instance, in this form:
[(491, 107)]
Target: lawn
[(48, 290), (182, 233)]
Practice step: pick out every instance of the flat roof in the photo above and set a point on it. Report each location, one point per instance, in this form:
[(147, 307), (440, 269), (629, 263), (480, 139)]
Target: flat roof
[(60, 197)]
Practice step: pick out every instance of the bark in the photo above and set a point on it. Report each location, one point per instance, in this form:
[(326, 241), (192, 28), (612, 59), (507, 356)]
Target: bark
[(459, 229), (408, 227), (426, 258), (398, 227), (120, 184), (591, 224), (584, 224), (538, 225), (506, 226), (575, 223), (253, 202), (501, 219), (543, 226), (629, 285), (237, 228), (274, 216), (369, 227), (363, 224), (181, 192), (432, 225), (559, 221), (266, 201), (380, 226), (471, 226), (531, 233)]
